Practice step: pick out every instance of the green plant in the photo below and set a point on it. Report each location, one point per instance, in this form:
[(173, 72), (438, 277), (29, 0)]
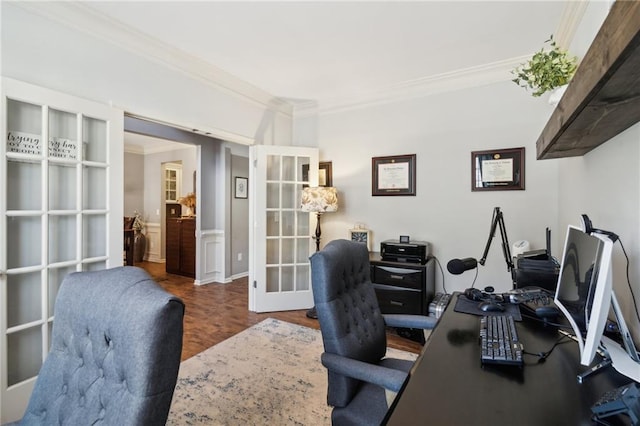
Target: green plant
[(546, 70)]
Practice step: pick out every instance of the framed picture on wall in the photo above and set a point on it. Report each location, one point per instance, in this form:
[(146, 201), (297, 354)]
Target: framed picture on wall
[(393, 175), (497, 169), (242, 187), (325, 173)]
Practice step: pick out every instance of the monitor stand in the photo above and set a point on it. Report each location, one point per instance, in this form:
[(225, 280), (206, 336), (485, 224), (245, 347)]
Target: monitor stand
[(599, 366), (621, 360), (624, 359)]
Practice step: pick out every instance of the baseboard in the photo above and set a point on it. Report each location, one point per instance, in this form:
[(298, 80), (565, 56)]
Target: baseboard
[(240, 275)]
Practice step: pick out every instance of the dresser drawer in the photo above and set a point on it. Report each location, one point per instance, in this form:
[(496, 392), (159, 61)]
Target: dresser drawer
[(394, 300), (399, 277)]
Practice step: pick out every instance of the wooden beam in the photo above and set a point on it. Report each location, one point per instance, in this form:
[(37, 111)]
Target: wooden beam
[(603, 98)]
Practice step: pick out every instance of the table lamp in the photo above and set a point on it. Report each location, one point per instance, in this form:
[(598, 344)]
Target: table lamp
[(318, 200)]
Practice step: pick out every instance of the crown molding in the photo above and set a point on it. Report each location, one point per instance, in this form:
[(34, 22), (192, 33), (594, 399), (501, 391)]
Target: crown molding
[(85, 19), (445, 82), (569, 21)]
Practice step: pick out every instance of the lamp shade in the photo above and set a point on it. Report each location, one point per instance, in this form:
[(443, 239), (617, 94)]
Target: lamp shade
[(319, 199)]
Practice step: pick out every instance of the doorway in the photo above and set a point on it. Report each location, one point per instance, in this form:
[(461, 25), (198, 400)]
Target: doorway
[(148, 188), (221, 228)]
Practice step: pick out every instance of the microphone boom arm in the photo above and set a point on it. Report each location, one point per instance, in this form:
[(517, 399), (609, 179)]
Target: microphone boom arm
[(498, 221)]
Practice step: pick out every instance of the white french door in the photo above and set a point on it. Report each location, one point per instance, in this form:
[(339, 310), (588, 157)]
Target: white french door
[(279, 238), (60, 212)]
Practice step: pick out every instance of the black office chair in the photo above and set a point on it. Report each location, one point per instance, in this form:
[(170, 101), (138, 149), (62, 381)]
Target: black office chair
[(354, 335)]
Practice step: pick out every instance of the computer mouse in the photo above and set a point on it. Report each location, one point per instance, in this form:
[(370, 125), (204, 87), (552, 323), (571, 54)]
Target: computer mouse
[(490, 307)]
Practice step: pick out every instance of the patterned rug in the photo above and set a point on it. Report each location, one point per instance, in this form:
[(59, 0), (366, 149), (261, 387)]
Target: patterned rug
[(269, 374)]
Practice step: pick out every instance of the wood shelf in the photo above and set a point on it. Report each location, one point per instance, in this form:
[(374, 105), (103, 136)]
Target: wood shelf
[(603, 98)]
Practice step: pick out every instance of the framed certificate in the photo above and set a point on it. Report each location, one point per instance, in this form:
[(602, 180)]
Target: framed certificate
[(498, 169), (394, 175)]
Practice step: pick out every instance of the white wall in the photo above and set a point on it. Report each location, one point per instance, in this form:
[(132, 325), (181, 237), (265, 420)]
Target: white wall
[(47, 53), (443, 130), (239, 235), (605, 185), (133, 183)]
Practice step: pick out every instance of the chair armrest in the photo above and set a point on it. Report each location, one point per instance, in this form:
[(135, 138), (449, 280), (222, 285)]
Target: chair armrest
[(410, 321), (387, 378)]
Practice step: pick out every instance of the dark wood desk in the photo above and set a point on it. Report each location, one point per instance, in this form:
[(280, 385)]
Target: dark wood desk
[(448, 385)]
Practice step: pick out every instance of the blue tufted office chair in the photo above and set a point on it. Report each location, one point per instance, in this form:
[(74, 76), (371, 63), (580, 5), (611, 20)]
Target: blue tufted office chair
[(354, 335), (115, 352)]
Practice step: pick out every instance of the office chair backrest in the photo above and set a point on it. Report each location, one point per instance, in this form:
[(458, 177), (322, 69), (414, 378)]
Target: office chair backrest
[(115, 352), (348, 312)]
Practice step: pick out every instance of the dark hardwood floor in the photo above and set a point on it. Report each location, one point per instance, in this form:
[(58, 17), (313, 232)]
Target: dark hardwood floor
[(215, 312)]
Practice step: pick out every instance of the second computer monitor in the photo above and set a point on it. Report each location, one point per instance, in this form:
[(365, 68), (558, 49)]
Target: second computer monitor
[(584, 287)]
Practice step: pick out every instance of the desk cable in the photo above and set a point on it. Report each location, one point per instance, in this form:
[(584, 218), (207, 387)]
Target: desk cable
[(444, 287), (633, 296), (542, 356), (545, 322)]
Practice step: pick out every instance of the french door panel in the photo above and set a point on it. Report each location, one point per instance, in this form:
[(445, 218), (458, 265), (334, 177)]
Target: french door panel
[(279, 272), (60, 212)]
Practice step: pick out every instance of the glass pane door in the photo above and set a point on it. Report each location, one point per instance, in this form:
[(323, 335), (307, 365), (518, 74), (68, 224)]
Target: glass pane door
[(54, 220), (280, 262)]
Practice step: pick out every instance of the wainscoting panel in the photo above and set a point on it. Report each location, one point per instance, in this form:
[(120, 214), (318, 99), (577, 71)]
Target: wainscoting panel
[(212, 257), (153, 250)]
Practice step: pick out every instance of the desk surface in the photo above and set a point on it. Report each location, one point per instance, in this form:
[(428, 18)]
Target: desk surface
[(449, 386)]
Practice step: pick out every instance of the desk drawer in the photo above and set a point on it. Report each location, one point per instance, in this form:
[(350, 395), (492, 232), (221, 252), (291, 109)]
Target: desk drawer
[(399, 277), (394, 300)]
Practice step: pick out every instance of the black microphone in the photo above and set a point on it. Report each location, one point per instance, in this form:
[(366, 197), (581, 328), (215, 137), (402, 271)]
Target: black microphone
[(458, 266)]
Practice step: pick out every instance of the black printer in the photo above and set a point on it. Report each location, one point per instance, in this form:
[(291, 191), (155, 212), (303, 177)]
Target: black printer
[(414, 251)]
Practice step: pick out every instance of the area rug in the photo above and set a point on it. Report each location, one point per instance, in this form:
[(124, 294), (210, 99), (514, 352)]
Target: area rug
[(269, 374)]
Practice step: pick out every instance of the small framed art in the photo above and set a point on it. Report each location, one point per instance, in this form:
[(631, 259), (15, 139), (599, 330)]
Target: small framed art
[(242, 187), (325, 173)]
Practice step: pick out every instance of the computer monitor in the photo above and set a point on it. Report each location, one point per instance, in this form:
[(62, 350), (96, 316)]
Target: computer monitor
[(584, 288)]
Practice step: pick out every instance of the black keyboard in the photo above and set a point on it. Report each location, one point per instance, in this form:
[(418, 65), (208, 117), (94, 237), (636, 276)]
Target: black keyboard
[(499, 341)]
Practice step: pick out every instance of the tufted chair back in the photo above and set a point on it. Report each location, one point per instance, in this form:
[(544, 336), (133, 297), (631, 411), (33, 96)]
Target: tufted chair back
[(350, 319), (115, 352)]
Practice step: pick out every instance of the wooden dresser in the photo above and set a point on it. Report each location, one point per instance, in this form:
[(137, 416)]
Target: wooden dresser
[(181, 246)]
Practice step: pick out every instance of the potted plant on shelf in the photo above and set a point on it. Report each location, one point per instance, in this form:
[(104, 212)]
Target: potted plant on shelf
[(548, 69), (189, 201)]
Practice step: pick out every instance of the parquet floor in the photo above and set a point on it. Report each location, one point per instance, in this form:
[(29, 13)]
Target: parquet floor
[(215, 312)]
